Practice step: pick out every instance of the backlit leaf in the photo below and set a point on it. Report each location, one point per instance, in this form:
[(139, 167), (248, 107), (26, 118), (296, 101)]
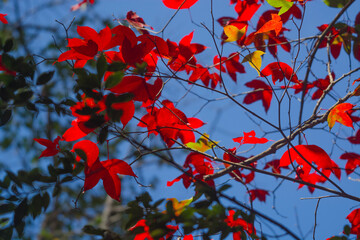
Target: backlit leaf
[(233, 33), (341, 114), (202, 144), (284, 5), (254, 60)]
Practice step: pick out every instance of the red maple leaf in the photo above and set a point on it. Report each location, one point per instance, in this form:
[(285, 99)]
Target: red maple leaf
[(175, 4), (86, 111), (82, 50), (231, 222), (145, 235), (143, 91), (187, 179), (249, 138), (246, 10), (202, 73), (275, 166), (321, 84), (137, 22), (258, 194), (236, 174), (171, 123), (231, 63), (3, 19), (341, 113), (310, 154), (202, 165), (274, 24), (354, 219), (262, 92), (353, 161), (105, 170), (280, 71), (334, 47), (52, 148), (273, 39), (355, 139), (182, 57)]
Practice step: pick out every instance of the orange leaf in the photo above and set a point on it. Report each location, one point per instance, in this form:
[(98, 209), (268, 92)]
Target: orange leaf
[(341, 114), (274, 24)]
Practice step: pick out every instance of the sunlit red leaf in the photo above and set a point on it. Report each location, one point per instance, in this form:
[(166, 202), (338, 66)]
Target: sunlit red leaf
[(341, 114), (249, 138), (258, 194), (312, 153), (236, 174), (246, 10), (279, 71), (185, 177), (274, 24), (107, 171), (353, 161), (52, 148), (321, 84), (89, 151), (231, 222), (261, 91), (76, 132), (175, 4), (305, 155), (354, 219), (233, 65), (145, 234), (3, 19)]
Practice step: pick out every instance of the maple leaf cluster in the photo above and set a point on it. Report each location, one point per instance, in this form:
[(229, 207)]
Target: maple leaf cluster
[(127, 65)]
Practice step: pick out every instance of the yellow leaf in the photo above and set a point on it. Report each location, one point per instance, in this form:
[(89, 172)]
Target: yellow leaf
[(254, 60), (179, 207), (202, 144), (233, 33)]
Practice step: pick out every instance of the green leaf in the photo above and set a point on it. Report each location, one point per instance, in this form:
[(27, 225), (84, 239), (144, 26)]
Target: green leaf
[(347, 230), (101, 66), (116, 66), (336, 3), (6, 207), (92, 230), (8, 60), (282, 4), (114, 79), (23, 96), (45, 200), (81, 154), (103, 134), (20, 212), (5, 117), (44, 78), (6, 233), (36, 205), (8, 45)]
